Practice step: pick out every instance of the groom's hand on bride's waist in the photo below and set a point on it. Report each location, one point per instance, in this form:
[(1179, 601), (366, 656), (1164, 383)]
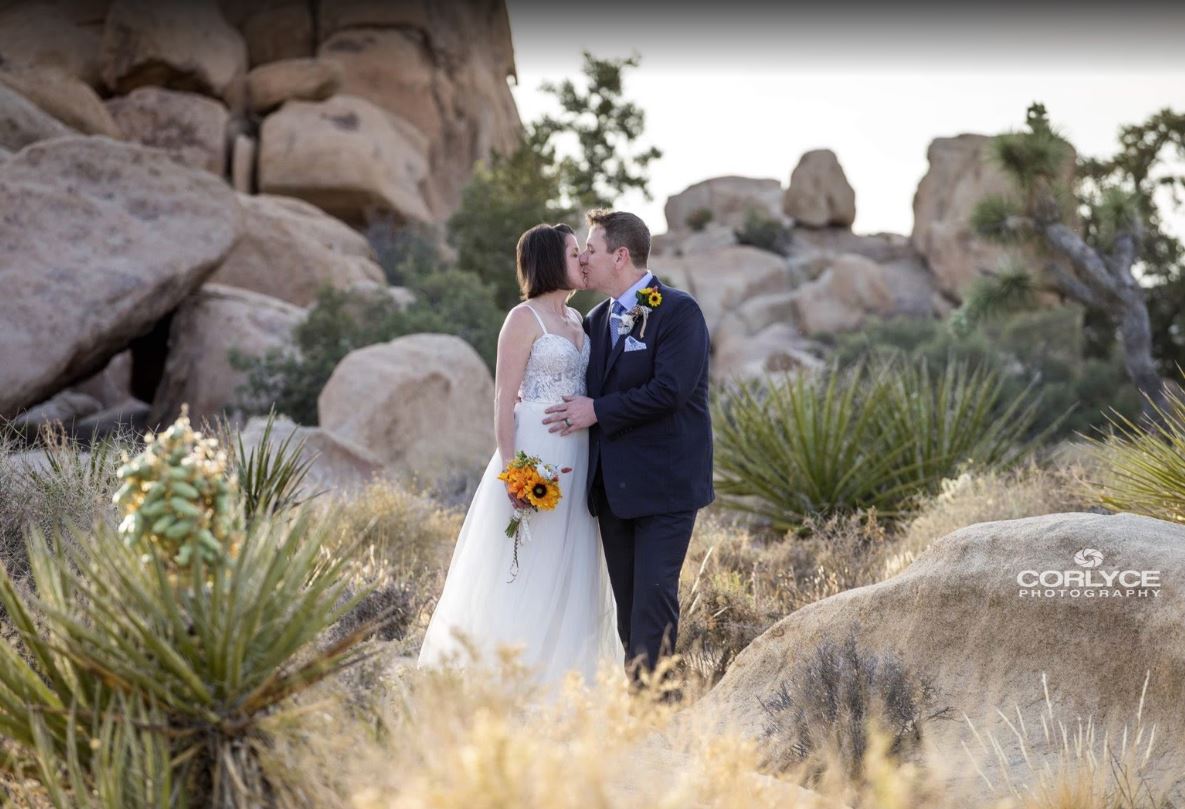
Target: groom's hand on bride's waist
[(576, 413)]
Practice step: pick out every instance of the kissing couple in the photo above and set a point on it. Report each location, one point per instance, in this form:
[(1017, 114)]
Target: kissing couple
[(619, 398)]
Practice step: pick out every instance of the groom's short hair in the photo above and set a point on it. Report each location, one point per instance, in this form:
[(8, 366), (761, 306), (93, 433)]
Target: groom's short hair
[(623, 229)]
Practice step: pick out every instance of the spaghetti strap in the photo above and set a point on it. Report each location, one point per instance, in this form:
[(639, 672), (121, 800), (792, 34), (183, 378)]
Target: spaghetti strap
[(536, 314)]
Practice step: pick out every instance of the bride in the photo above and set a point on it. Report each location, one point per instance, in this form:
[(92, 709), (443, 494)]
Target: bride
[(559, 610)]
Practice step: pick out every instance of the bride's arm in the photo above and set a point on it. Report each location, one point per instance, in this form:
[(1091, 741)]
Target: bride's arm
[(514, 348)]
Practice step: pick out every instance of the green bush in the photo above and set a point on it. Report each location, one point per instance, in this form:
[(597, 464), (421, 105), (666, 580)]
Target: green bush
[(143, 674), (1045, 348), (698, 219), (290, 380), (763, 231), (505, 198), (875, 436)]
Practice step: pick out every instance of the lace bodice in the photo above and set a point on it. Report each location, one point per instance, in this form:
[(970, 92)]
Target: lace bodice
[(555, 368)]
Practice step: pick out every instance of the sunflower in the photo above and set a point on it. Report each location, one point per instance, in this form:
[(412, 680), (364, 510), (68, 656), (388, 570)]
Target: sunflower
[(654, 298), (543, 494)]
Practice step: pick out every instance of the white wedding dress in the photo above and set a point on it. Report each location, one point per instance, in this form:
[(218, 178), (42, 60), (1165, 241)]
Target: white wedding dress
[(559, 610)]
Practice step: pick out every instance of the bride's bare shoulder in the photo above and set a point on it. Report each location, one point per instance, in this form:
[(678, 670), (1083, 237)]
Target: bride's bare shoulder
[(521, 324)]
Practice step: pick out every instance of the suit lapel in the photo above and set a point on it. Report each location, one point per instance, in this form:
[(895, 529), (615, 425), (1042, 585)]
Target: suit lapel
[(619, 349), (599, 334)]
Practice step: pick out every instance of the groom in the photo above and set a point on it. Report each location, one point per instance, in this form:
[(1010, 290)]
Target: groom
[(650, 438)]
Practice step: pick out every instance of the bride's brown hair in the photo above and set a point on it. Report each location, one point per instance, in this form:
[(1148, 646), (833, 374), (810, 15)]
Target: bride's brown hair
[(540, 261)]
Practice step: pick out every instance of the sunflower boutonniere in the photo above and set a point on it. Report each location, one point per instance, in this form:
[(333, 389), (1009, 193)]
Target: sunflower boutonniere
[(647, 300)]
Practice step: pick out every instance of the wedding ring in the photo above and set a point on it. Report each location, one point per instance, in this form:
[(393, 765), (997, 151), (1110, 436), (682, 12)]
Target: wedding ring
[(568, 422)]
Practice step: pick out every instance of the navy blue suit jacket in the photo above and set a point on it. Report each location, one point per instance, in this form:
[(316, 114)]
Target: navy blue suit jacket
[(653, 436)]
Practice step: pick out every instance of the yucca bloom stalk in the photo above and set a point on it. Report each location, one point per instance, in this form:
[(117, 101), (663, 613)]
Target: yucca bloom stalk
[(130, 643)]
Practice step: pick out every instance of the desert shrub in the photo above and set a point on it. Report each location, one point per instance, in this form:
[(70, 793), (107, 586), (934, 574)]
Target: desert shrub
[(405, 541), (764, 232), (737, 583), (823, 712), (131, 651), (698, 219), (1141, 466), (291, 379), (875, 436), (70, 487), (1046, 348)]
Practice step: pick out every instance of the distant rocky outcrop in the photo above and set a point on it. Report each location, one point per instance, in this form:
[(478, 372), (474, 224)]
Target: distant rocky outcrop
[(819, 194), (961, 174), (767, 307)]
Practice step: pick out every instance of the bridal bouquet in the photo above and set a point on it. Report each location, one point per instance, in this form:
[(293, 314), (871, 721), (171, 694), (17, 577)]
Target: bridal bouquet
[(535, 487)]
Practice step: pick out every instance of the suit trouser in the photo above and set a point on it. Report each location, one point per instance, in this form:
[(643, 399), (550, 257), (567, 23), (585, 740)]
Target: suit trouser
[(644, 556)]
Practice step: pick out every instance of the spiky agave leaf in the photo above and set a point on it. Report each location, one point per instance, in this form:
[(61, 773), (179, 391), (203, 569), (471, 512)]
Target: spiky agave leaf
[(1143, 465), (270, 476), (875, 436)]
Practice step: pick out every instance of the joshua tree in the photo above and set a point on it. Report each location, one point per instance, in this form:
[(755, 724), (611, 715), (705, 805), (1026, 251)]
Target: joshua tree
[(1092, 265)]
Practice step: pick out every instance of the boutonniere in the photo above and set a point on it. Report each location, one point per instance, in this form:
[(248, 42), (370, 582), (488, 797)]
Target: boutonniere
[(648, 299)]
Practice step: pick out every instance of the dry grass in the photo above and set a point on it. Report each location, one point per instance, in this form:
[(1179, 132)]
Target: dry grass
[(63, 485), (737, 583), (406, 541), (443, 739)]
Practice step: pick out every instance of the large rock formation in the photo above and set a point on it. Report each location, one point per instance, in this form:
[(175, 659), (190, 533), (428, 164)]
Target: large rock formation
[(435, 77), (725, 202), (961, 174), (189, 126), (270, 85), (442, 67), (204, 331), (965, 616), (99, 241), (180, 44), (819, 194), (22, 122), (273, 30), (346, 156), (853, 288), (64, 34), (724, 278), (65, 97), (291, 249), (422, 404)]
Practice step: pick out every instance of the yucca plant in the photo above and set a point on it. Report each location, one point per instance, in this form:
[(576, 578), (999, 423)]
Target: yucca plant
[(1142, 465), (875, 436), (941, 420), (270, 475), (789, 448), (130, 642)]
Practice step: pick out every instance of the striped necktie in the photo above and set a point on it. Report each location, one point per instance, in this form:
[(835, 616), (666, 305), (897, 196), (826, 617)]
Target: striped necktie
[(615, 322)]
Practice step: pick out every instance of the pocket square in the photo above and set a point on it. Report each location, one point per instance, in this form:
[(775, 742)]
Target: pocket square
[(633, 344)]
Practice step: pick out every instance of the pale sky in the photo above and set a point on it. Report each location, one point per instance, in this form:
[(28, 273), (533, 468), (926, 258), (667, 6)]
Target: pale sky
[(748, 95)]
